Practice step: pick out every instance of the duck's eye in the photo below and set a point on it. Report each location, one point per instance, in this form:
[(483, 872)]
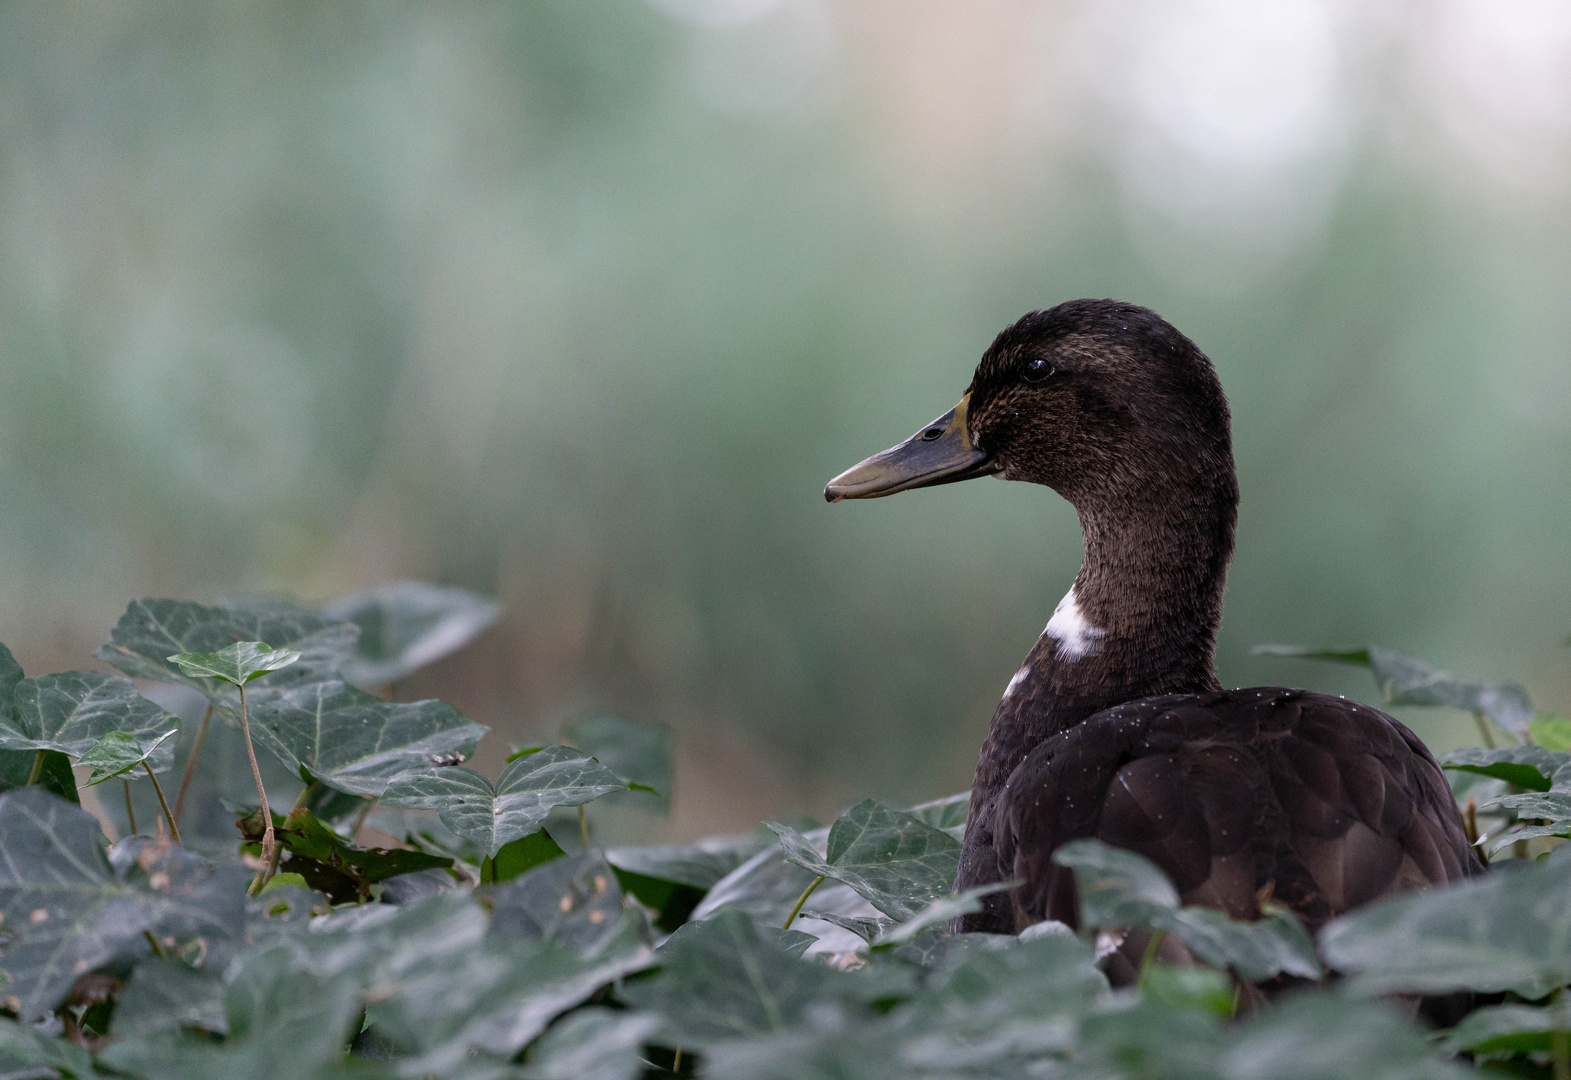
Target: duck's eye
[(1037, 370)]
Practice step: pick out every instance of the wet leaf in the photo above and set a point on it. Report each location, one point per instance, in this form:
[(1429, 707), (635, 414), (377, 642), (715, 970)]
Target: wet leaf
[(408, 624), (893, 860), (151, 631), (1531, 767), (355, 742), (1510, 930), (1121, 889), (1518, 1029), (639, 753), (72, 710), (237, 664), (118, 753), (517, 805), (1405, 681), (70, 911)]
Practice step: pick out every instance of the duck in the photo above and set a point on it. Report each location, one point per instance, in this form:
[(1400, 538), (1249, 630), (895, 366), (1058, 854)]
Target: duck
[(1116, 726)]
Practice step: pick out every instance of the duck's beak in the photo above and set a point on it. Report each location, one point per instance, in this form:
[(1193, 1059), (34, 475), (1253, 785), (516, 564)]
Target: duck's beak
[(941, 453)]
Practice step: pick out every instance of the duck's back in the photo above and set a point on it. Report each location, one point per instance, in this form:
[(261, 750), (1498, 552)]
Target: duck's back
[(1315, 802)]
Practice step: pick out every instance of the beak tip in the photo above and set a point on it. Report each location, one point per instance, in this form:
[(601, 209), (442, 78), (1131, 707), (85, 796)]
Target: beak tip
[(830, 495)]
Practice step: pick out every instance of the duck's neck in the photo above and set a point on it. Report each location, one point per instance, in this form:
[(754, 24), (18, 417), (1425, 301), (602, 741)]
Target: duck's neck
[(1141, 619)]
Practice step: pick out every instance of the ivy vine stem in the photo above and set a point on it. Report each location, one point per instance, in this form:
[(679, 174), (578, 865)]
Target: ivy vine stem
[(190, 765), (800, 900), (269, 841), (1149, 958), (174, 829), (38, 767), (130, 811)]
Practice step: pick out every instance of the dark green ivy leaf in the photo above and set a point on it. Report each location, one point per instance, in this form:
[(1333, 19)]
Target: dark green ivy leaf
[(1405, 681), (519, 802), (592, 1044), (1530, 767), (151, 631), (509, 992), (118, 753), (726, 978), (283, 1020), (69, 911), (1121, 889), (640, 753), (235, 664), (1505, 931), (1516, 1029), (333, 866), (72, 710), (355, 742), (573, 901), (892, 859), (29, 1054), (408, 624), (55, 777)]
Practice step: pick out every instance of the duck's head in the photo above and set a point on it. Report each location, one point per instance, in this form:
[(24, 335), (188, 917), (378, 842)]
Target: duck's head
[(1097, 399)]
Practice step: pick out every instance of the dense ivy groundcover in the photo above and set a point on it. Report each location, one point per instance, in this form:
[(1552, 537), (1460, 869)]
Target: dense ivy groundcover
[(490, 937)]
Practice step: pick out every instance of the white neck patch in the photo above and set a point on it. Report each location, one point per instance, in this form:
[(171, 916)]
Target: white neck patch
[(1016, 681), (1075, 636)]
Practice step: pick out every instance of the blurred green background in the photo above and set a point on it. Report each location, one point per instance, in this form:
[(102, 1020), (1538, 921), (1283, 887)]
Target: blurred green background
[(581, 303)]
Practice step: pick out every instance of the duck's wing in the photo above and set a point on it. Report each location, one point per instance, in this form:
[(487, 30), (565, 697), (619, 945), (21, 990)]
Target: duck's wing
[(1316, 802)]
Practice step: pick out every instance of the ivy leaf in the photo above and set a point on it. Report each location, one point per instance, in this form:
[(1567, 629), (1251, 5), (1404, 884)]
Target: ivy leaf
[(118, 753), (726, 978), (509, 993), (1551, 732), (26, 1053), (519, 802), (572, 901), (671, 879), (948, 813), (520, 856), (237, 664), (1405, 681), (151, 631), (1122, 889), (55, 777), (165, 995), (407, 625), (73, 710), (1323, 1036), (355, 742), (283, 1019), (1515, 1029), (592, 1044), (893, 860), (1530, 767), (640, 753), (1505, 931), (69, 910), (330, 864)]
